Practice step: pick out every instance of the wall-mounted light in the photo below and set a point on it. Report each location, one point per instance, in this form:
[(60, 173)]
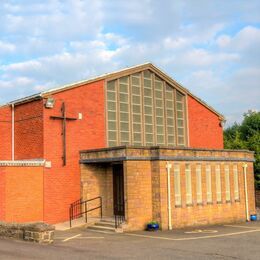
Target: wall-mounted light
[(50, 102), (222, 122)]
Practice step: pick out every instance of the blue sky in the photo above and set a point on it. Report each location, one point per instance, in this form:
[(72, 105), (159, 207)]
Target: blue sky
[(210, 47)]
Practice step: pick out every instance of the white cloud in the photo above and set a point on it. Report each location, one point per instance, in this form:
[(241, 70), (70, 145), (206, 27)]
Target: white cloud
[(6, 47)]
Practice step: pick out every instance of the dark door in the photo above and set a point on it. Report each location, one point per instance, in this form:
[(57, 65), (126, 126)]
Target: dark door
[(118, 190)]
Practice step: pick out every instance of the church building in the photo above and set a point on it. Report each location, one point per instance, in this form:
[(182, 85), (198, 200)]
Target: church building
[(132, 144)]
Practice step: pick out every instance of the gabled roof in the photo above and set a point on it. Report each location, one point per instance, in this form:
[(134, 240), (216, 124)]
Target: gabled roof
[(113, 75)]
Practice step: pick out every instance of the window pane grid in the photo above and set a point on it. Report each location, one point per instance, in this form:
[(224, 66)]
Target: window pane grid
[(148, 105)]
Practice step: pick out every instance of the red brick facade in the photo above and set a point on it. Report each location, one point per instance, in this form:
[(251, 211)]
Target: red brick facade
[(29, 130), (5, 133), (204, 126), (17, 184), (62, 184)]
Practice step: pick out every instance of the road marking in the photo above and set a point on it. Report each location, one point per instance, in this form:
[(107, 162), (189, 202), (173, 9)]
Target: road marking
[(237, 226), (63, 238), (194, 238), (196, 231), (70, 238)]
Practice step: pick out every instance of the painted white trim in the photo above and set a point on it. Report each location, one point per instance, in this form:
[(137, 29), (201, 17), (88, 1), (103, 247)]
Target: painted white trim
[(23, 163)]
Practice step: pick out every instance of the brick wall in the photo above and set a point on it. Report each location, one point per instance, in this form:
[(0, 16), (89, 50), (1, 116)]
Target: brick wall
[(204, 128), (62, 184), (29, 130), (257, 198), (138, 193), (21, 194), (97, 180), (5, 133)]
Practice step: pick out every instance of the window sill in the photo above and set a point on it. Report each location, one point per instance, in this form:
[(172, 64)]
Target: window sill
[(178, 206), (189, 205), (228, 201)]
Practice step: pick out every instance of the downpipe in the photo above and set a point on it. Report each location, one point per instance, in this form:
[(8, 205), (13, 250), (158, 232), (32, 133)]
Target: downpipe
[(168, 167)]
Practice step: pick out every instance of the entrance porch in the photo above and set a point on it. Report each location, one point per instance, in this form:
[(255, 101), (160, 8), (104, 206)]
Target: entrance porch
[(203, 186)]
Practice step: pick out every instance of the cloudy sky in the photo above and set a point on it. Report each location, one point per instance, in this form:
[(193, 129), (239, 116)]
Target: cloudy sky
[(212, 47)]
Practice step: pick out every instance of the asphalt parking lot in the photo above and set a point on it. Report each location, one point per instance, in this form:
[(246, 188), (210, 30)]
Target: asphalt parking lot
[(236, 241)]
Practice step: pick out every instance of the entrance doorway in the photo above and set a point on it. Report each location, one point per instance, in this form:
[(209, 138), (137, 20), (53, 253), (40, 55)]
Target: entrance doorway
[(118, 190)]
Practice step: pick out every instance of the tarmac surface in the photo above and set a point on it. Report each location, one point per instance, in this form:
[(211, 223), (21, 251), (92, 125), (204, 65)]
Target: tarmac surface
[(231, 241)]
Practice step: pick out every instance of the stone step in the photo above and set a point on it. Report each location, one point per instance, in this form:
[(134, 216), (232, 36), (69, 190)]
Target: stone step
[(102, 228), (105, 224)]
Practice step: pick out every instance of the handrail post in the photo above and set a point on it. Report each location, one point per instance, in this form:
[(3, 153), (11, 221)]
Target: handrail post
[(86, 212), (101, 213), (70, 216)]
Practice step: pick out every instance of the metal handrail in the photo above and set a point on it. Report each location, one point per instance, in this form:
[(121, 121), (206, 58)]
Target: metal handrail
[(77, 209), (119, 218)]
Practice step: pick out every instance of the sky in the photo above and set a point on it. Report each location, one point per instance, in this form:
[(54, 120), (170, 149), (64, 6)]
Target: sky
[(211, 47)]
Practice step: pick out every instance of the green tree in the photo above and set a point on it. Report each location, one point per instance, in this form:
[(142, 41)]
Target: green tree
[(246, 136)]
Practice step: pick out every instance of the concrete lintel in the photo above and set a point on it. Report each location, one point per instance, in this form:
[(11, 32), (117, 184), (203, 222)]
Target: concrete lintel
[(164, 158)]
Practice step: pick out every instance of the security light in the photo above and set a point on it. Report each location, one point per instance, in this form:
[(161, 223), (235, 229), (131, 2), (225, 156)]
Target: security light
[(50, 102)]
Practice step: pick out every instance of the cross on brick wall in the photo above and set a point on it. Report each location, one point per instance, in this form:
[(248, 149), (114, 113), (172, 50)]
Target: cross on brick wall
[(64, 120)]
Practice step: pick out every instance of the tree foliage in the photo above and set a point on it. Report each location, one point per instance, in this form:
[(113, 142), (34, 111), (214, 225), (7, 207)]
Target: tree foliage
[(246, 136)]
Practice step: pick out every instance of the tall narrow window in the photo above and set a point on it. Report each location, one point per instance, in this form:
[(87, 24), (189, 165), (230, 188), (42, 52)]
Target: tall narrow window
[(180, 118), (227, 183), (170, 119), (236, 183), (177, 185), (137, 108), (208, 182), (218, 183), (112, 112), (148, 108), (198, 183), (124, 124), (159, 110), (188, 184)]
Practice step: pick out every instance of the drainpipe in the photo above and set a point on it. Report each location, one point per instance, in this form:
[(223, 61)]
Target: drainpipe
[(168, 167), (246, 193), (12, 132)]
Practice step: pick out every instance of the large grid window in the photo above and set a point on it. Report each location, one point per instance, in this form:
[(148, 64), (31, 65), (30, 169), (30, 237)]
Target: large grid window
[(143, 109)]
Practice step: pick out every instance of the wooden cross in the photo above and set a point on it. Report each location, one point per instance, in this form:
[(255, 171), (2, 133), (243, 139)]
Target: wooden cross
[(64, 120)]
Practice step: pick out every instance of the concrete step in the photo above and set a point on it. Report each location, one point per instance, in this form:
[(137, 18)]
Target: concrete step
[(105, 224), (97, 227)]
